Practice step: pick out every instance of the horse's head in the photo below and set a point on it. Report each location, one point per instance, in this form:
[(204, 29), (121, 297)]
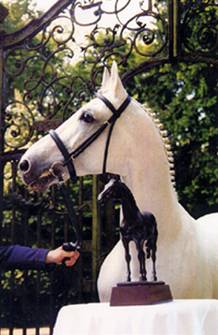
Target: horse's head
[(44, 164), (110, 191), (115, 189)]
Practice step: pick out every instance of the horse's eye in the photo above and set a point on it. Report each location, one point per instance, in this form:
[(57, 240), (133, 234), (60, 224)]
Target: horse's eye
[(87, 117)]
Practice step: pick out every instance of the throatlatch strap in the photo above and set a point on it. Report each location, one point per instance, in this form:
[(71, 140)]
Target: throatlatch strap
[(104, 168), (112, 120)]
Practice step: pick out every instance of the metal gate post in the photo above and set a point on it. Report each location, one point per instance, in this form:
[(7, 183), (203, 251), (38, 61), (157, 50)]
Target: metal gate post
[(1, 138), (96, 234), (174, 28)]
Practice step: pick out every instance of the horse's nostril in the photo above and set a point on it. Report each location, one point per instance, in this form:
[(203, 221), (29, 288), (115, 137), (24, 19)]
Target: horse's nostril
[(24, 165)]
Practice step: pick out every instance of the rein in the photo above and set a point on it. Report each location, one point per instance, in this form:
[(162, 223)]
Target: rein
[(70, 156)]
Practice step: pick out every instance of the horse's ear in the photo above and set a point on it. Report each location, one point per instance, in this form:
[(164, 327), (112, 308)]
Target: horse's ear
[(115, 81), (105, 78)]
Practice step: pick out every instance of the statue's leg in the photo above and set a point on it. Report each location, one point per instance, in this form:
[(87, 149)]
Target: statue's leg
[(154, 249), (127, 257), (148, 249), (141, 258)]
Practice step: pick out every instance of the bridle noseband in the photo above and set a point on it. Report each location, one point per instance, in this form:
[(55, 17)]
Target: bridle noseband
[(69, 156)]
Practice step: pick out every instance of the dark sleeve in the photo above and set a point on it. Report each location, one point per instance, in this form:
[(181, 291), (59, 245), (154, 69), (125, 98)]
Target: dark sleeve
[(24, 258)]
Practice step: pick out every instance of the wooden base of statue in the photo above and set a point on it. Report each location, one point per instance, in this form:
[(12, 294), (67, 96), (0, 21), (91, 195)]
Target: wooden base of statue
[(140, 293)]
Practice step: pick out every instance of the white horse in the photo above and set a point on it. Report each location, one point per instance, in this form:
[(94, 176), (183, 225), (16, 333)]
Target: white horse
[(187, 252)]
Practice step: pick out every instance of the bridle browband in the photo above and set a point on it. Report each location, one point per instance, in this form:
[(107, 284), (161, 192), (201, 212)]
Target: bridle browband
[(69, 156)]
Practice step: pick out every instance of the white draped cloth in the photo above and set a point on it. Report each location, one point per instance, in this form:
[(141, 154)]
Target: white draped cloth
[(179, 317)]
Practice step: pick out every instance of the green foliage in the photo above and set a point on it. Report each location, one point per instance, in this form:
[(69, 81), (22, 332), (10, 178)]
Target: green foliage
[(20, 12), (185, 99)]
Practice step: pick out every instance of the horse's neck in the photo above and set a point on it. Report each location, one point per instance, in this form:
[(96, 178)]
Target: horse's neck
[(148, 177), (158, 199), (129, 207)]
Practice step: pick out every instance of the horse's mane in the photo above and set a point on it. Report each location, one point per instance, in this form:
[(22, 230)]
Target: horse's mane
[(165, 138)]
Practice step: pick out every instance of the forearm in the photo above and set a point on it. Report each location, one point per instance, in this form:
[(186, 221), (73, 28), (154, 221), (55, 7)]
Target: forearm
[(19, 257), (25, 258)]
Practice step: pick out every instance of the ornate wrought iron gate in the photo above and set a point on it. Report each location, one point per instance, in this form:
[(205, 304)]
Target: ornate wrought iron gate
[(47, 70)]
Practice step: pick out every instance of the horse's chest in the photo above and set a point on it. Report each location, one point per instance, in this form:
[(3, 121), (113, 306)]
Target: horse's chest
[(132, 231)]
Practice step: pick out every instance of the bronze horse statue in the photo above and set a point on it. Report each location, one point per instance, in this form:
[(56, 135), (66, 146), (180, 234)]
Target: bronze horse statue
[(135, 226)]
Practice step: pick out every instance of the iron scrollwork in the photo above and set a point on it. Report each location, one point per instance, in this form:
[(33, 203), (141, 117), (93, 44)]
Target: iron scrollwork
[(199, 29), (19, 120), (48, 67), (58, 68), (130, 27)]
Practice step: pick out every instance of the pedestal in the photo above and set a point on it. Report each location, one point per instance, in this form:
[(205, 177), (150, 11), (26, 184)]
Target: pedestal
[(140, 293)]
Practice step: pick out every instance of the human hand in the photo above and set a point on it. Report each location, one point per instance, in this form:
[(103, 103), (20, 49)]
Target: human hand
[(58, 255)]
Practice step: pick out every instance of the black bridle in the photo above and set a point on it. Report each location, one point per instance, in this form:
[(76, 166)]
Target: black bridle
[(70, 156)]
